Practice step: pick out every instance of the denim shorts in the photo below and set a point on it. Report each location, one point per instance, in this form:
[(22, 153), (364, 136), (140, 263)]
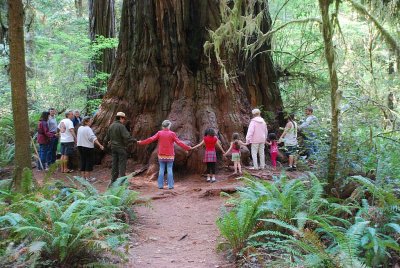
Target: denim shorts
[(291, 150), (67, 148)]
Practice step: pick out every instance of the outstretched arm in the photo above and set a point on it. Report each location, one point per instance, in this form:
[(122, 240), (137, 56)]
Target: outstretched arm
[(230, 148), (243, 144), (181, 144), (220, 146), (149, 140), (198, 145)]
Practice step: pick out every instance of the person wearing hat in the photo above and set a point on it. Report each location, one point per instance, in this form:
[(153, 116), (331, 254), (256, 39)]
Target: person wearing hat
[(257, 135), (166, 154), (119, 137)]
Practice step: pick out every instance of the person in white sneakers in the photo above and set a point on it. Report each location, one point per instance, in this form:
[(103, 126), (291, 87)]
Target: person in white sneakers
[(257, 135)]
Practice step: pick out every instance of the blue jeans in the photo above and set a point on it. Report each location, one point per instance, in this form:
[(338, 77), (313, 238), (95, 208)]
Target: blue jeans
[(43, 151), (170, 175), (310, 144), (52, 152)]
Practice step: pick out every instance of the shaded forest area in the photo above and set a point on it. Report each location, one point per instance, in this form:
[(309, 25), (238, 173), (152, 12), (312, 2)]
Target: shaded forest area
[(205, 64)]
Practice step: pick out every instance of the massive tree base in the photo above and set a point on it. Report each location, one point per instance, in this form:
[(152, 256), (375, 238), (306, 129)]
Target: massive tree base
[(162, 73)]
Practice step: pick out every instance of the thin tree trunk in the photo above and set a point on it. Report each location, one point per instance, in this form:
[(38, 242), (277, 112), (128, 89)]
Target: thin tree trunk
[(327, 31), (18, 90), (161, 72), (101, 23), (79, 8)]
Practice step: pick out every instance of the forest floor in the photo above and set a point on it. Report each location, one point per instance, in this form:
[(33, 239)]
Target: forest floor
[(176, 228)]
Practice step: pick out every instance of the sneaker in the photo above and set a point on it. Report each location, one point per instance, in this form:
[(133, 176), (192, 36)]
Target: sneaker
[(208, 179), (294, 168), (253, 168), (170, 188), (92, 179), (213, 179), (289, 168)]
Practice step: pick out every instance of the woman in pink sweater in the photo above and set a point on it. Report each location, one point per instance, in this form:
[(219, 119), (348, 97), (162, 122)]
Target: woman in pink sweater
[(166, 155)]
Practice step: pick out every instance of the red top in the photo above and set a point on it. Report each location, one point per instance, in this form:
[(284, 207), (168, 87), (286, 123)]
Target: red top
[(166, 139), (274, 147), (209, 142), (44, 134)]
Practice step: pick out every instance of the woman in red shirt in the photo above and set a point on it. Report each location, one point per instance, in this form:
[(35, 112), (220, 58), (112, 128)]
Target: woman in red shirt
[(210, 156), (166, 155)]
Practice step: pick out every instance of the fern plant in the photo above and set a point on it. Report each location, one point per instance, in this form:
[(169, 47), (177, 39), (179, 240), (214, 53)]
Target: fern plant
[(67, 225), (237, 225)]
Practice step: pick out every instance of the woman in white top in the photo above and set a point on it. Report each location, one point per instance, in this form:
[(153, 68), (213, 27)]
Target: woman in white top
[(289, 138), (86, 140)]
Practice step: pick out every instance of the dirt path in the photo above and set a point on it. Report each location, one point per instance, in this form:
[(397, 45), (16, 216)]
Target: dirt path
[(178, 228)]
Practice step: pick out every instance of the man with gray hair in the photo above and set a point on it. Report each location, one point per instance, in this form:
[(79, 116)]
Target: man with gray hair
[(257, 135), (119, 137), (308, 128)]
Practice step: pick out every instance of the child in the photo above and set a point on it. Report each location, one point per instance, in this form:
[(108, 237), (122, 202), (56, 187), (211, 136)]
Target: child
[(273, 148), (235, 148), (210, 156)]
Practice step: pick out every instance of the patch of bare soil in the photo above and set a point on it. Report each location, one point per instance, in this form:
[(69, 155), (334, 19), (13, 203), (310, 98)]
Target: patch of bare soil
[(177, 228)]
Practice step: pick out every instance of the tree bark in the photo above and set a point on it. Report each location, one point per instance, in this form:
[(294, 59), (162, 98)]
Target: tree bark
[(3, 28), (79, 8), (327, 31), (101, 23), (161, 72), (18, 90)]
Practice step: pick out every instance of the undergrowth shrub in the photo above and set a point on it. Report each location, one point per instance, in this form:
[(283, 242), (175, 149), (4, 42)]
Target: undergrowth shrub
[(58, 226), (292, 223)]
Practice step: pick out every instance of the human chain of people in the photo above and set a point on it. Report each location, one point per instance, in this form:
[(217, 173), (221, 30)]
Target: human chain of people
[(75, 132)]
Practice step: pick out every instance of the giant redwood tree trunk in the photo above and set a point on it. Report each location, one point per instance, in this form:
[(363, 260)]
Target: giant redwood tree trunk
[(161, 72), (101, 23)]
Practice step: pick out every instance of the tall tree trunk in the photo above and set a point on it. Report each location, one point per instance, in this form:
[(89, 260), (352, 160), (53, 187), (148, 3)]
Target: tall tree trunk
[(327, 31), (18, 90), (101, 23), (79, 8), (161, 72), (3, 27)]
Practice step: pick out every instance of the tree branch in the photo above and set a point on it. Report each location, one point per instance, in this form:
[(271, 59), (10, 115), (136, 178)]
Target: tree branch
[(386, 35)]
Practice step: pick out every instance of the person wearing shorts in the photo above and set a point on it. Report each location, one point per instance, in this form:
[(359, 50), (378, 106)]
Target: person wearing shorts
[(67, 139)]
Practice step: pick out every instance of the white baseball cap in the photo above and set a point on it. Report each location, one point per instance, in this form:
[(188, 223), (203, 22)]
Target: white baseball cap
[(121, 114)]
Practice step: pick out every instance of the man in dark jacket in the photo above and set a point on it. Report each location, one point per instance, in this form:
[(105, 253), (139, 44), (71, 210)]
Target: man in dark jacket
[(119, 137)]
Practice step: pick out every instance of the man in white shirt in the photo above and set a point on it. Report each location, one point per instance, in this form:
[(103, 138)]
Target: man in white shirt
[(67, 140), (308, 127)]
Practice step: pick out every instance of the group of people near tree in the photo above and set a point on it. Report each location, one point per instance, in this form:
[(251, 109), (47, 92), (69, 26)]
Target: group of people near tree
[(118, 137), (72, 131), (257, 136)]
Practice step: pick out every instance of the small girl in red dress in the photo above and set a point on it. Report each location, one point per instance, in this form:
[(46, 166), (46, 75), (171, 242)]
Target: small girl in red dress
[(210, 156), (273, 148)]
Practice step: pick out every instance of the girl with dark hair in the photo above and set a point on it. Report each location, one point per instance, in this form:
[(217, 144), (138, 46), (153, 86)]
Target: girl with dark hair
[(289, 138), (43, 138), (210, 156), (273, 148), (235, 149)]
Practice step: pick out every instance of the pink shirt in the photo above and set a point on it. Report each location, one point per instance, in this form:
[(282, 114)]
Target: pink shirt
[(257, 132), (166, 139)]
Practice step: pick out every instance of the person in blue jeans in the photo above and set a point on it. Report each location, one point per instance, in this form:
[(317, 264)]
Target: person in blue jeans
[(166, 154), (308, 128), (52, 123), (43, 138)]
